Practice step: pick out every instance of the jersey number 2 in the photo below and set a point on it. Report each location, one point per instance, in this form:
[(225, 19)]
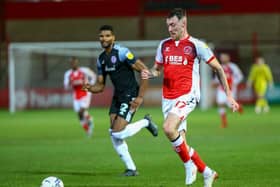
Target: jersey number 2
[(123, 108)]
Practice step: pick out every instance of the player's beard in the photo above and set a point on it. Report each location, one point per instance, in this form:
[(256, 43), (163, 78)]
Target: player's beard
[(106, 45), (174, 36), (177, 34)]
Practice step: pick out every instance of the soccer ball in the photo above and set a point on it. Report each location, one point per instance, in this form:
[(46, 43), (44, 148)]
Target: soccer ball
[(52, 182)]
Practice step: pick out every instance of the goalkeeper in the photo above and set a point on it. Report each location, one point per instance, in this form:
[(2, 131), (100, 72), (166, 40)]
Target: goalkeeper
[(260, 77)]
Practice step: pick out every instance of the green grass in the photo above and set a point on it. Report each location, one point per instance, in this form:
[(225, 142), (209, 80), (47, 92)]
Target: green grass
[(40, 143)]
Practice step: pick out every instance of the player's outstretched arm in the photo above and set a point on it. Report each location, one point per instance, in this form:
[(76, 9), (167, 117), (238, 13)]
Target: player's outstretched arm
[(91, 76), (97, 87), (139, 66), (216, 66), (152, 73)]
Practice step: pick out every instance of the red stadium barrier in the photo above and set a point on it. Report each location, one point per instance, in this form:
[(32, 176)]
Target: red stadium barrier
[(50, 98), (59, 98), (128, 8), (4, 98)]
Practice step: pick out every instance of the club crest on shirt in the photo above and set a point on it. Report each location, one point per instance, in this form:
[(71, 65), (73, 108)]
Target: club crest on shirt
[(188, 50), (113, 59)]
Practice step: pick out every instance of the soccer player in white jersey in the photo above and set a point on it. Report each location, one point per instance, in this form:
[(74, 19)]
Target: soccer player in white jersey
[(179, 56), (234, 77), (74, 79)]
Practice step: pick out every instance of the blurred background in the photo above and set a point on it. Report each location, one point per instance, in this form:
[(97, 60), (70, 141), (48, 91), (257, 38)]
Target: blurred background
[(244, 29), (37, 39)]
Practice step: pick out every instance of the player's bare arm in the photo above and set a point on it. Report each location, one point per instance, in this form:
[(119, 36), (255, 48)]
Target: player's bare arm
[(216, 66), (139, 66), (155, 70), (152, 73), (97, 87)]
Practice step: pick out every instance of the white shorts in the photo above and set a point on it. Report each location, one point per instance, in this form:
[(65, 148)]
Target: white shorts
[(181, 106), (83, 102)]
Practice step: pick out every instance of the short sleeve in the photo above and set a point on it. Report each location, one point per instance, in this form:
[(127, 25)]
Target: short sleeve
[(66, 80), (91, 76), (126, 55), (159, 57), (237, 74), (204, 52)]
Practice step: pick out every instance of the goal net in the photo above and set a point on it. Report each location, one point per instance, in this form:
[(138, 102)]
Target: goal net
[(36, 72)]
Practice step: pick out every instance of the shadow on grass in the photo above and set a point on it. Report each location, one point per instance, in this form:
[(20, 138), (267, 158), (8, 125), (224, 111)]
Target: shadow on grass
[(74, 173)]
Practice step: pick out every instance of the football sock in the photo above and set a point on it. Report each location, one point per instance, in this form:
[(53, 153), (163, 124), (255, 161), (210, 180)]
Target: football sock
[(181, 148), (191, 151), (84, 124), (88, 118), (201, 166), (86, 121), (85, 127), (222, 112), (197, 161), (207, 171), (264, 102), (240, 109), (188, 164), (131, 129), (259, 103), (122, 149)]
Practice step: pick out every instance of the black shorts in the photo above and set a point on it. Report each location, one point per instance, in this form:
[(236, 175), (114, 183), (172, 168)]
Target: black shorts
[(121, 106)]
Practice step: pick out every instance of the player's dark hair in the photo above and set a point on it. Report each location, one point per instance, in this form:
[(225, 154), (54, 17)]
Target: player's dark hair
[(106, 28), (259, 55), (178, 12)]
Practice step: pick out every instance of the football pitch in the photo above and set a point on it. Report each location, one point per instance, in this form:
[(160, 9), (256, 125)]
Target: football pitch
[(40, 143)]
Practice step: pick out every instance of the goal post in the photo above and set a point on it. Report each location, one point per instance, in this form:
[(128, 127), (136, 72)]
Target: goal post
[(36, 70), (36, 73)]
